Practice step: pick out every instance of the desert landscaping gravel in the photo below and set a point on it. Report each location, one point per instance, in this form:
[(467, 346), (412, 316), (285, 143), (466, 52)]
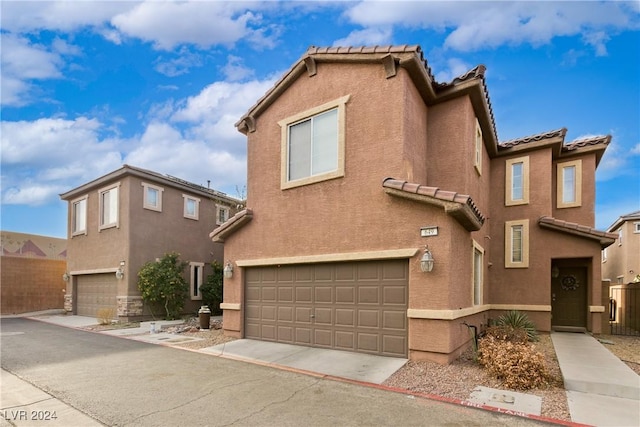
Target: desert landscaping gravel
[(458, 379)]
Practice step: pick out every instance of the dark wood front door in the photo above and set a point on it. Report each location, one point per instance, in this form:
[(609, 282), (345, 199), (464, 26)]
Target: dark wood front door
[(569, 297)]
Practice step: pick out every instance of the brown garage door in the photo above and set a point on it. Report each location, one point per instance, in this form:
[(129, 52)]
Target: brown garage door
[(96, 291), (356, 306)]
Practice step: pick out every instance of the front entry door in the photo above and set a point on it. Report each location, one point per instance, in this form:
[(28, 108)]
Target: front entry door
[(569, 298)]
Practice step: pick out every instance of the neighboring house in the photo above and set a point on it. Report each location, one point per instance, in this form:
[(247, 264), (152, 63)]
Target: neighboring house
[(129, 217), (31, 268), (357, 160), (621, 270)]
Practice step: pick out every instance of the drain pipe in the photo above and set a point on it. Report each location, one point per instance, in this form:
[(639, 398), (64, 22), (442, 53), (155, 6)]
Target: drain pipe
[(475, 334)]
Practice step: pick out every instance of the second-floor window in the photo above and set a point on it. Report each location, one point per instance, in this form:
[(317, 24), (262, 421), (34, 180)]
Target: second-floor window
[(636, 227), (79, 216), (152, 198), (569, 176), (517, 181), (222, 214), (109, 207), (477, 161), (313, 144), (191, 207)]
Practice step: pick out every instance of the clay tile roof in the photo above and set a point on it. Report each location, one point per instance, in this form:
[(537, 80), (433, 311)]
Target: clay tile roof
[(604, 238), (232, 225), (623, 218), (585, 142), (534, 138), (460, 206)]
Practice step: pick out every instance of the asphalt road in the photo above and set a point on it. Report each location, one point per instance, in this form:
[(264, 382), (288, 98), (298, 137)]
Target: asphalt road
[(121, 382)]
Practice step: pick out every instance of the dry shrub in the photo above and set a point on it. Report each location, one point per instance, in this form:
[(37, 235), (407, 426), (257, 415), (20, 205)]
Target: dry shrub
[(513, 360), (105, 315)]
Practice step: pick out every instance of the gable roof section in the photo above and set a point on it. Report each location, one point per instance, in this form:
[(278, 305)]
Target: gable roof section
[(172, 181), (410, 58), (232, 225), (604, 238), (555, 140), (624, 218), (459, 206)]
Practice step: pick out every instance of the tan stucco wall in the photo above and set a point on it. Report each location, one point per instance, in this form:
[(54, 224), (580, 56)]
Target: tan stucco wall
[(623, 259)]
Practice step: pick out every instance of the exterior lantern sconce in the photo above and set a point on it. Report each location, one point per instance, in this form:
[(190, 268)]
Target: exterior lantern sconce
[(555, 272), (228, 270), (66, 277), (120, 271), (426, 263)]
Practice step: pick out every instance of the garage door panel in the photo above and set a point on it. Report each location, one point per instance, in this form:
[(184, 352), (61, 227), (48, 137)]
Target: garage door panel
[(369, 295), (323, 337), (268, 313), (285, 314), (394, 295), (368, 319), (354, 306), (323, 316), (394, 320), (345, 295), (304, 294), (269, 294)]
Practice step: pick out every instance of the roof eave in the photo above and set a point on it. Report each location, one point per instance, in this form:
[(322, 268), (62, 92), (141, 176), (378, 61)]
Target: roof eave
[(232, 225), (604, 238)]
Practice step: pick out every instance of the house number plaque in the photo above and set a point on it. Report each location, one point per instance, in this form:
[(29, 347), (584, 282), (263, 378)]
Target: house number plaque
[(429, 231)]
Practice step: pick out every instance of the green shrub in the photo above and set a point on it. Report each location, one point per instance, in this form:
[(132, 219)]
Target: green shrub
[(162, 282), (212, 289), (516, 363), (517, 321)]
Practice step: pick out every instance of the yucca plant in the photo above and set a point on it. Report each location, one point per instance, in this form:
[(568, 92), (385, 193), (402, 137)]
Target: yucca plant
[(517, 320)]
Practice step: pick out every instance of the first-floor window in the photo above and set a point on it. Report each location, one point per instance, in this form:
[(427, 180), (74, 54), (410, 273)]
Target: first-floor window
[(478, 257), (196, 270), (79, 216), (516, 244)]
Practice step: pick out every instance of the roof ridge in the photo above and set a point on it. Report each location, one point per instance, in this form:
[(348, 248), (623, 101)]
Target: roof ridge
[(533, 138)]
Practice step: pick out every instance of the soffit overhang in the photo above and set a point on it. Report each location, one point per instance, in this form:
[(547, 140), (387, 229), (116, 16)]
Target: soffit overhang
[(232, 225), (604, 238), (459, 206)]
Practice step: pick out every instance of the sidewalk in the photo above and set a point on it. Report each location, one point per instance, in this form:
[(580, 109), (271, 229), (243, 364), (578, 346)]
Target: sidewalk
[(601, 389)]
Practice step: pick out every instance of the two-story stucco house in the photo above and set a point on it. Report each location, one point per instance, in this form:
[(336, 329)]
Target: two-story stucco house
[(384, 216), (621, 271), (120, 221)]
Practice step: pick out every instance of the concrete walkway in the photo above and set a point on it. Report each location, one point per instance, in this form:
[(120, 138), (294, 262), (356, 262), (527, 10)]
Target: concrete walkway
[(601, 389)]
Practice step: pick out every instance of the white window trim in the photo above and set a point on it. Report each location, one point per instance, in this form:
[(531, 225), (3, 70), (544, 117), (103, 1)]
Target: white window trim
[(103, 190), (86, 208), (560, 184), (196, 216), (477, 156), (145, 202), (508, 190), (636, 227), (478, 248), (340, 104), (194, 288), (508, 242), (620, 233), (220, 208), (604, 255)]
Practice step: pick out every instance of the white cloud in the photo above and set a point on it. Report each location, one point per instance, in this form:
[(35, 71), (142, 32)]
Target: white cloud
[(235, 71), (635, 151), (367, 37), (45, 157), (478, 25), (168, 24), (456, 67), (181, 64)]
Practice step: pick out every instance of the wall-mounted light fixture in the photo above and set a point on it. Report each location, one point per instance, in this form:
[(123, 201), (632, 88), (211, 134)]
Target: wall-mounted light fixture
[(555, 272), (120, 271), (228, 270), (426, 263), (66, 276)]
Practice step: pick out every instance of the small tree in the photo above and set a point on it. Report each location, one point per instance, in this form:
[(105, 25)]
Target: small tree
[(162, 282), (212, 289)]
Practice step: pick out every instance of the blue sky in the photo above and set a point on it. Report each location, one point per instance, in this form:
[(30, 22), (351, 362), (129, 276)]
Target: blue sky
[(87, 86)]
